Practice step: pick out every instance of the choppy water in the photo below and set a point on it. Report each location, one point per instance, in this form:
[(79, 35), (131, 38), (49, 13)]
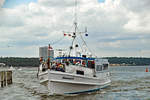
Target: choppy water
[(128, 83)]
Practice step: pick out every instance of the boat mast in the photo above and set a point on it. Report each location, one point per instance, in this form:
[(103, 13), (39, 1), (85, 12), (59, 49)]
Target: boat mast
[(75, 28), (75, 33)]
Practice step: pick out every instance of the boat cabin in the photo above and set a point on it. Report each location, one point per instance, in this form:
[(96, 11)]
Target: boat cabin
[(78, 65)]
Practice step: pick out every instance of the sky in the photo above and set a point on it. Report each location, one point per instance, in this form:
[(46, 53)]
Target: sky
[(13, 3), (116, 28)]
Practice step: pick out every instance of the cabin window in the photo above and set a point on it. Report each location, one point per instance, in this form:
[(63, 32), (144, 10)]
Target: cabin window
[(98, 68), (91, 64), (105, 66), (80, 72)]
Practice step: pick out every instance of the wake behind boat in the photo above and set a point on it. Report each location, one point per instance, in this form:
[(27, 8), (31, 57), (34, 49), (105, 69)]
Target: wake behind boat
[(19, 68), (74, 71)]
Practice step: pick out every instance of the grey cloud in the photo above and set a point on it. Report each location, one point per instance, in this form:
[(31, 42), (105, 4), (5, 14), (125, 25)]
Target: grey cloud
[(123, 38), (138, 14), (137, 5)]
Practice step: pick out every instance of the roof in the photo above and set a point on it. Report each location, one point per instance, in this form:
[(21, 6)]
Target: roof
[(81, 58), (2, 64)]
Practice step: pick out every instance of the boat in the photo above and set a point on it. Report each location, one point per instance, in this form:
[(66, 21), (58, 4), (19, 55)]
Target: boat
[(74, 72), (11, 68)]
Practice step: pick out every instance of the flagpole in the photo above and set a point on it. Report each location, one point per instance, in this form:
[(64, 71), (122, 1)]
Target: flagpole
[(48, 64)]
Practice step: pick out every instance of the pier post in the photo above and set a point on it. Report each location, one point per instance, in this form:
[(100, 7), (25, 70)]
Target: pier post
[(5, 78), (1, 78), (9, 77)]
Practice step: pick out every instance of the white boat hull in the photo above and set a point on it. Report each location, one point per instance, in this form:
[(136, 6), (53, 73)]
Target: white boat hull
[(65, 83)]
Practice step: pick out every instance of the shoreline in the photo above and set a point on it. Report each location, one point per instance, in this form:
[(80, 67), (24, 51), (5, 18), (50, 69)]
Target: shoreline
[(118, 65)]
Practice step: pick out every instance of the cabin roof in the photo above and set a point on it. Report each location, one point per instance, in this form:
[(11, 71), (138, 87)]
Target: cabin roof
[(81, 58)]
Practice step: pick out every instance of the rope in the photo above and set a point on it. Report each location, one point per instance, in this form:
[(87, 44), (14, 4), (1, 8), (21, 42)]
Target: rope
[(86, 44), (57, 41)]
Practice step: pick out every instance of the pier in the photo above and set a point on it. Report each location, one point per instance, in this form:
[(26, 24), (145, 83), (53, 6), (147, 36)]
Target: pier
[(5, 78)]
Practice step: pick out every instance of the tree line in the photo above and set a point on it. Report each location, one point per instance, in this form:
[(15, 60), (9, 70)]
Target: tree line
[(137, 61), (20, 62), (34, 62)]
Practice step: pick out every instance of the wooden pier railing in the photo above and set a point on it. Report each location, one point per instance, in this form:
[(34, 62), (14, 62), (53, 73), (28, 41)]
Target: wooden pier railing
[(5, 78)]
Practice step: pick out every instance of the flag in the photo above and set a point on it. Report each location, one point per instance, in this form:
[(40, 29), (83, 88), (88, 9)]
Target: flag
[(49, 47), (69, 34), (65, 34)]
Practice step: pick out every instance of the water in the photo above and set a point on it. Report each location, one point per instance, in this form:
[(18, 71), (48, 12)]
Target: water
[(128, 83)]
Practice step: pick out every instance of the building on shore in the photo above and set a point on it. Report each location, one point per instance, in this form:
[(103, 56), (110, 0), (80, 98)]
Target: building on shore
[(2, 64)]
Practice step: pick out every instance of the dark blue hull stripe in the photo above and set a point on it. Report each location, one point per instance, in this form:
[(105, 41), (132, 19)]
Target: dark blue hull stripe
[(87, 91)]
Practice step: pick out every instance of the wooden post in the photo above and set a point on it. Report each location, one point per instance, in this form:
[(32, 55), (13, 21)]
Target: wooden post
[(9, 77), (5, 78), (2, 78)]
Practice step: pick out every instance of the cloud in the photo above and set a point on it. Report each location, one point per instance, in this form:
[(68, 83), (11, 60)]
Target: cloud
[(138, 23), (137, 6), (115, 27), (57, 3), (138, 15), (1, 3)]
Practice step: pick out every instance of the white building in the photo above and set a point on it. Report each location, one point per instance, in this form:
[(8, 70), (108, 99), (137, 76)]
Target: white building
[(2, 64)]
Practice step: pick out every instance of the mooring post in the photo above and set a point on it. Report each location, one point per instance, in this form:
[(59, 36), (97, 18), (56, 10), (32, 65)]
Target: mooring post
[(2, 78), (5, 78), (9, 77)]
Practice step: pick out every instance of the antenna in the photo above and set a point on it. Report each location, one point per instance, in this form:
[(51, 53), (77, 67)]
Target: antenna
[(85, 29), (75, 27), (75, 13), (75, 21)]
